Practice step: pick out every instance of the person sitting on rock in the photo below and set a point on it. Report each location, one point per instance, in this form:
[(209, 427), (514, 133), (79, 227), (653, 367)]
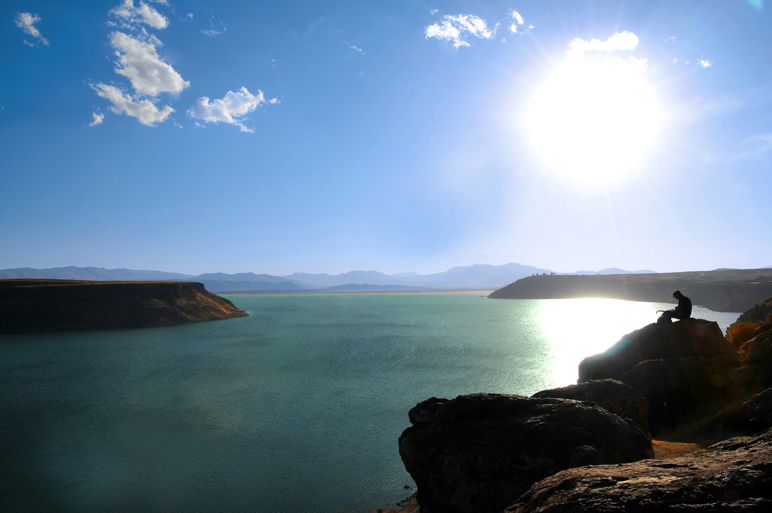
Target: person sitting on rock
[(682, 312)]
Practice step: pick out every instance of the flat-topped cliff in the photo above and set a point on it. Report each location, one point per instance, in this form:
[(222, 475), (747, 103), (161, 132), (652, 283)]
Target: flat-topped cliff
[(36, 305), (722, 290)]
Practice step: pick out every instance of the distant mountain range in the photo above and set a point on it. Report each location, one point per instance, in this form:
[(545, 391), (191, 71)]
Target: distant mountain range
[(477, 276)]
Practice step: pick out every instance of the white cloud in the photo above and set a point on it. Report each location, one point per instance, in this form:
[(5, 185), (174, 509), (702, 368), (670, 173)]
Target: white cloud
[(210, 33), (232, 109), (26, 22), (140, 62), (619, 41), (130, 16), (706, 63), (98, 119), (517, 19), (453, 28), (152, 17), (144, 110)]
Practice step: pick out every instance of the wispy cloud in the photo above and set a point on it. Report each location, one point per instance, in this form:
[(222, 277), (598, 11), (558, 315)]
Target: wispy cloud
[(355, 48), (213, 32), (139, 62), (98, 119), (705, 63), (757, 145), (143, 109), (517, 20), (232, 109), (455, 29), (129, 16), (26, 21)]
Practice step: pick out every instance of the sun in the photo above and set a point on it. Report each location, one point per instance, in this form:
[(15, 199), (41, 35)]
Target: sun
[(594, 119)]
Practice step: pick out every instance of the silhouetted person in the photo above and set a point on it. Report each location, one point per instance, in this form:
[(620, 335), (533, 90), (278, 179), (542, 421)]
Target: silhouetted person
[(682, 312)]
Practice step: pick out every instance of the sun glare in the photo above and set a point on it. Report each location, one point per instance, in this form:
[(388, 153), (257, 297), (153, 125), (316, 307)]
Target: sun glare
[(593, 120)]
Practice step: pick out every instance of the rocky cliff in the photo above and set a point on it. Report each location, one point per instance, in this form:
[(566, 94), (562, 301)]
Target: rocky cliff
[(585, 447), (33, 305), (724, 290)]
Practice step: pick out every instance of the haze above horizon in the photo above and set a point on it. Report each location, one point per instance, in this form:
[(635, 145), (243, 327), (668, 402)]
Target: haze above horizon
[(324, 137)]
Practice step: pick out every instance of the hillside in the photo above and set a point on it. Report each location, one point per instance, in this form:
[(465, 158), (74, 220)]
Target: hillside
[(35, 305), (722, 290)]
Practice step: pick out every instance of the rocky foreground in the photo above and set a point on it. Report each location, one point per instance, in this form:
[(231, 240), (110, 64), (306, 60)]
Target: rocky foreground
[(37, 305), (588, 447)]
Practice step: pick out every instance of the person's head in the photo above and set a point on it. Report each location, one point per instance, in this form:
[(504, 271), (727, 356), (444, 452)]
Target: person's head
[(677, 294)]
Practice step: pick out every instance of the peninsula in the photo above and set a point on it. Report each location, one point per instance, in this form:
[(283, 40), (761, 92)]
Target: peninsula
[(722, 290), (39, 305)]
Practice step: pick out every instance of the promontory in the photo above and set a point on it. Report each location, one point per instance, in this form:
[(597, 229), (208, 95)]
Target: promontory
[(721, 290), (40, 305)]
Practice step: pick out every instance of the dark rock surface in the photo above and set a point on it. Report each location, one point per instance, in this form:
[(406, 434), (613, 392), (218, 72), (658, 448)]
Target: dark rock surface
[(610, 394), (34, 305), (477, 453), (694, 337), (734, 475), (677, 388), (683, 369)]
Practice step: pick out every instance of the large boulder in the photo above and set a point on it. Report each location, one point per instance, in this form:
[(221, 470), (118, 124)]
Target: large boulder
[(693, 337), (683, 369), (734, 475), (679, 387), (610, 394), (477, 453), (752, 416)]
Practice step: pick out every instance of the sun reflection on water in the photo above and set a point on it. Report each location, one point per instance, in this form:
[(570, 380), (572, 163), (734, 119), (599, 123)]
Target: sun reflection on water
[(576, 328)]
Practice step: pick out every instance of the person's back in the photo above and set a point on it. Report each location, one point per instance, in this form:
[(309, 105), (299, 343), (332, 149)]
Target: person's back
[(682, 312), (684, 308)]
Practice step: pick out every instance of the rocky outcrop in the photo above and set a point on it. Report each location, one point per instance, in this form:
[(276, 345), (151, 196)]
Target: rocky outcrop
[(682, 369), (734, 475), (694, 337), (759, 314), (33, 305), (758, 350), (610, 394), (477, 453)]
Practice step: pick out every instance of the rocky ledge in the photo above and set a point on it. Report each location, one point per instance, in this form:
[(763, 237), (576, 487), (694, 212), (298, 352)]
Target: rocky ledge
[(36, 305), (586, 447)]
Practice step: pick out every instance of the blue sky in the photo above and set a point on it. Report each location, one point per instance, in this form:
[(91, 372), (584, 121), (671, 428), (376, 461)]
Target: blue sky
[(407, 135)]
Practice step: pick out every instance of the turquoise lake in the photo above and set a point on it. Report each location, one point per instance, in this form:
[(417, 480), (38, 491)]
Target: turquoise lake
[(296, 408)]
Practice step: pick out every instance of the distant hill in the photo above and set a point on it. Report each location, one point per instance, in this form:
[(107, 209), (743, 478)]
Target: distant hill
[(722, 290), (365, 287), (322, 280), (93, 274), (473, 277), (613, 270), (477, 276), (214, 282)]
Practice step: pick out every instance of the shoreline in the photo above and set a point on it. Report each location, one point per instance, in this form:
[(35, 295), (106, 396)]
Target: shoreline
[(480, 292)]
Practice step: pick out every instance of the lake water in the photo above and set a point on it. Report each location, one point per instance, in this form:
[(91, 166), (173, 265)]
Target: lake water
[(296, 408)]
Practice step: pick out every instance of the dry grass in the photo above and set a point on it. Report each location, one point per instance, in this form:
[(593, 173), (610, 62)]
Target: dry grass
[(740, 332)]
